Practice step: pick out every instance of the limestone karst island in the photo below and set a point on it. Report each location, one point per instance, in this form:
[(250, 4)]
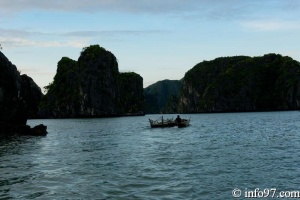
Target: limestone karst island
[(92, 86)]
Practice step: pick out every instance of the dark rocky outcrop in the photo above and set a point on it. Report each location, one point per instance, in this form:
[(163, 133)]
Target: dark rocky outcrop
[(63, 96), (19, 97), (162, 96), (12, 105), (99, 73), (132, 94), (32, 95), (39, 130), (92, 87), (241, 83)]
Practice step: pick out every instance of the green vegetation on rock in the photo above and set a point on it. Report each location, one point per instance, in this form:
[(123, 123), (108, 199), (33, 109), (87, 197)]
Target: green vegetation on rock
[(240, 83), (92, 87), (132, 94), (62, 98), (92, 51), (162, 96)]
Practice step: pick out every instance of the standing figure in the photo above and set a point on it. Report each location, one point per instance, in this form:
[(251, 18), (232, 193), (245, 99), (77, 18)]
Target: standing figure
[(178, 120)]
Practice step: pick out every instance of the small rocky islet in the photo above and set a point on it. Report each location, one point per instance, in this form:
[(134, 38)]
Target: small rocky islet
[(19, 100), (92, 86)]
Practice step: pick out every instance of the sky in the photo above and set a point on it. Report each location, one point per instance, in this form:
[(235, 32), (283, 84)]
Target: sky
[(158, 39)]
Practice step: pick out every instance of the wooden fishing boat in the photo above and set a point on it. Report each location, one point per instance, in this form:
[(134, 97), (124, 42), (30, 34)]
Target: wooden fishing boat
[(161, 123), (184, 123)]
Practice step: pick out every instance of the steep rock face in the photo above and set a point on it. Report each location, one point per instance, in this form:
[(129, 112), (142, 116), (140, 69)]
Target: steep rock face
[(162, 96), (32, 95), (132, 94), (92, 87), (19, 97), (63, 97), (12, 106), (99, 73), (240, 83)]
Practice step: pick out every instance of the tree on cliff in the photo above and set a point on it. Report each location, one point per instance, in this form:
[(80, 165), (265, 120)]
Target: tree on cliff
[(0, 47)]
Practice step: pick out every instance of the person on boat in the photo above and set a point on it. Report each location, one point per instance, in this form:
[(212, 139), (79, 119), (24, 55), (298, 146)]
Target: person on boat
[(178, 119)]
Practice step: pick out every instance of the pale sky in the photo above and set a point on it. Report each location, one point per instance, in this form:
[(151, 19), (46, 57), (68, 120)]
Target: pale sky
[(158, 39)]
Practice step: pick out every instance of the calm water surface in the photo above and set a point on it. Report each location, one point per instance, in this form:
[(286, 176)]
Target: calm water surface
[(123, 158)]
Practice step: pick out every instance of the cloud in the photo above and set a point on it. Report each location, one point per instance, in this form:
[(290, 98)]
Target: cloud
[(23, 38), (271, 25), (20, 33), (291, 5), (27, 33), (111, 33), (99, 5), (23, 42), (215, 7), (38, 72), (188, 9)]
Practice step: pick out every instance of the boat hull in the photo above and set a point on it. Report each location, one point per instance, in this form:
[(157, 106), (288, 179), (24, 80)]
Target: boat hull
[(161, 123), (183, 123)]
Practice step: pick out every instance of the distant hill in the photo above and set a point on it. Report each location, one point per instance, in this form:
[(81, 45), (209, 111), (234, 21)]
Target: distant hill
[(162, 96), (241, 83)]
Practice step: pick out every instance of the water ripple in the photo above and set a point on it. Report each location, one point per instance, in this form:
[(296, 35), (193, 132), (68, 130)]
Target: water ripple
[(123, 158)]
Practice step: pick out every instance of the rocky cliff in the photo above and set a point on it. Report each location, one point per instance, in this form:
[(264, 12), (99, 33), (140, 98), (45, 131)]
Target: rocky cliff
[(12, 106), (240, 83), (131, 94), (19, 98), (162, 96), (92, 87), (32, 95), (63, 97)]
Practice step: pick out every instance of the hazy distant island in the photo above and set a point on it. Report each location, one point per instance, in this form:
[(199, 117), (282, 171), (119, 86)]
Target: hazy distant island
[(92, 86), (163, 96)]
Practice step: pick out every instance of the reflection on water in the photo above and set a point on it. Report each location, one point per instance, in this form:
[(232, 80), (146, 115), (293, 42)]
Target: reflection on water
[(123, 158)]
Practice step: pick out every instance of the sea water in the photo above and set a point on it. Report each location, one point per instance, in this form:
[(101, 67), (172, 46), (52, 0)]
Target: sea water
[(216, 157)]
